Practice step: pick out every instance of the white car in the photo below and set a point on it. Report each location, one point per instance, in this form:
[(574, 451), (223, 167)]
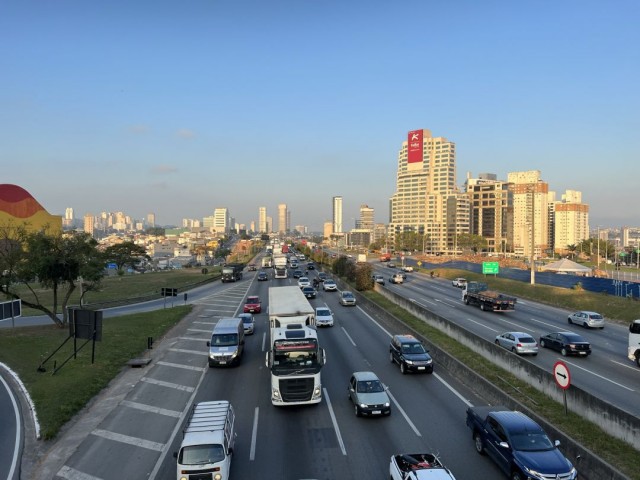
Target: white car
[(324, 317), (304, 282), (459, 282), (407, 268), (329, 285), (587, 319)]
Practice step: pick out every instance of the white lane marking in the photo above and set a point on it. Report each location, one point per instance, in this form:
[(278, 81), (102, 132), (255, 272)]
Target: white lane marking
[(599, 376), (182, 350), (334, 421), (254, 435), (453, 390), (73, 474), (630, 366), (200, 330), (160, 383), (150, 409), (129, 440), (371, 318), (348, 336), (16, 412), (264, 341), (421, 304), (204, 323), (482, 325), (179, 365), (452, 305), (404, 414)]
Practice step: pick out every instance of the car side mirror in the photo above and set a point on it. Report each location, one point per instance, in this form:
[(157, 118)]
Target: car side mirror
[(208, 344), (504, 444), (175, 454), (557, 443)]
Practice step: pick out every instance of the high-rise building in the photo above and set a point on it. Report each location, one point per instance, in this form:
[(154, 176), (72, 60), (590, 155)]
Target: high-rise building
[(282, 218), (426, 200), (89, 223), (365, 222), (530, 213), (269, 225), (151, 219), (337, 214), (68, 214), (262, 220), (570, 221), (327, 230), (491, 214), (221, 220)]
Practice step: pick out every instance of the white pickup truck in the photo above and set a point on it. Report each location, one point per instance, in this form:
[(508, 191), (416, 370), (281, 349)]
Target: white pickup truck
[(418, 466)]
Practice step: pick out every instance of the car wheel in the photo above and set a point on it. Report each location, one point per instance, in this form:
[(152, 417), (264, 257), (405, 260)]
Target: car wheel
[(403, 368), (569, 320), (497, 342), (516, 476), (357, 410), (513, 350), (482, 307), (638, 360), (563, 352), (391, 357), (477, 439), (542, 344), (585, 325), (466, 300)]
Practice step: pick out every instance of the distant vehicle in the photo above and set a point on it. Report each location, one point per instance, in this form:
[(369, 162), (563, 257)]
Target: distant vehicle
[(418, 466), (368, 394), (378, 279), (385, 257), (518, 445), (329, 285), (304, 282), (324, 317), (253, 304), (267, 262), (518, 342), (587, 319), (362, 258), (396, 278), (262, 276), (567, 343), (391, 265), (311, 266), (232, 272), (633, 352), (478, 293), (297, 273), (309, 292), (322, 276), (347, 299), (248, 322), (408, 352), (459, 282), (252, 267), (407, 268)]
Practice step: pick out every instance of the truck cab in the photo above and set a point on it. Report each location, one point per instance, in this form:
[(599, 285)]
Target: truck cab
[(634, 342)]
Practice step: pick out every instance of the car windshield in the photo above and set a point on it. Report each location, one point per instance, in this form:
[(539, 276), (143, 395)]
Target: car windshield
[(370, 386), (246, 319), (531, 442), (201, 454), (412, 348), (323, 312), (225, 340), (253, 300), (347, 295)]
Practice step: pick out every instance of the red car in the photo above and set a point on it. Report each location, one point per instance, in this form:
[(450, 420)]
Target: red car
[(253, 305)]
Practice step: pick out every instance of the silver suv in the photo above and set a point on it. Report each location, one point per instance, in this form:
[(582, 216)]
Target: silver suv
[(347, 299)]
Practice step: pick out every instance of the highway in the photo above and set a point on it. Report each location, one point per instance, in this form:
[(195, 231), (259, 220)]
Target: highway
[(325, 441), (11, 428), (606, 373)]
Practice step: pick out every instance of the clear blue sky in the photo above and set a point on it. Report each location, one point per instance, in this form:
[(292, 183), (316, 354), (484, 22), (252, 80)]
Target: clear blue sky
[(180, 107)]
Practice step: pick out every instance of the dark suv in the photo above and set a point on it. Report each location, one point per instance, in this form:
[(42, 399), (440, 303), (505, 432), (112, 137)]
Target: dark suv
[(410, 354)]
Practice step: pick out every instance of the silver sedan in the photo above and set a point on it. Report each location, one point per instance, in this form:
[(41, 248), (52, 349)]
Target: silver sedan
[(518, 342), (587, 319)]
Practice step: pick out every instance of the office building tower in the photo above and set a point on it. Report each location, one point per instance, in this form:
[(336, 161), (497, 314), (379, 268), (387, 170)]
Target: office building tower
[(570, 221), (365, 222), (337, 214), (221, 220), (151, 219), (89, 223), (426, 200), (282, 218)]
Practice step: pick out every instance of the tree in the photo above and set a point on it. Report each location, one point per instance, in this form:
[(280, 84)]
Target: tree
[(408, 241), (572, 248), (125, 254), (54, 262), (364, 273), (472, 242)]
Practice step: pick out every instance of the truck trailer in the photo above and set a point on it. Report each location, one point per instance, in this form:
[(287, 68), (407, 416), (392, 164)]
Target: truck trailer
[(478, 293)]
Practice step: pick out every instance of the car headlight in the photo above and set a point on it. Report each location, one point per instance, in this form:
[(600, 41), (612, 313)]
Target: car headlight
[(430, 361), (275, 393), (363, 405), (409, 362), (217, 476), (387, 404)]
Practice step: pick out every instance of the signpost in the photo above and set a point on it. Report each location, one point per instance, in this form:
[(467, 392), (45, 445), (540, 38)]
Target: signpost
[(563, 379), (490, 268)]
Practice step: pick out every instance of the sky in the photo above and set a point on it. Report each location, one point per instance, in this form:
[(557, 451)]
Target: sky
[(178, 108)]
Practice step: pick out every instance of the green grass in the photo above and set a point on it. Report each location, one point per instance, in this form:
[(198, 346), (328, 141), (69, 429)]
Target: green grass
[(614, 451), (617, 309), (129, 286), (59, 397)]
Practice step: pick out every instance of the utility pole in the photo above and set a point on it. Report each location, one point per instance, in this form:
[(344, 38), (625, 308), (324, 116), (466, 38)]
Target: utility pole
[(532, 260)]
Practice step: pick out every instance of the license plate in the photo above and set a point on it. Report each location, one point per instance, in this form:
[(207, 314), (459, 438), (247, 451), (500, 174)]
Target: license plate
[(376, 412), (421, 368), (223, 363)]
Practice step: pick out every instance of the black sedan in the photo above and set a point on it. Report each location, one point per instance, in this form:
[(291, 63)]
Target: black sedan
[(262, 276), (309, 292), (567, 343)]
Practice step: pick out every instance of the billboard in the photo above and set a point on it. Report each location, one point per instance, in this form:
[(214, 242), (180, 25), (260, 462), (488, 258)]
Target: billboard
[(414, 146)]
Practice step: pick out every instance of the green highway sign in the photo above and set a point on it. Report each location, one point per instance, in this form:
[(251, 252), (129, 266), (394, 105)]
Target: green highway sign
[(490, 268)]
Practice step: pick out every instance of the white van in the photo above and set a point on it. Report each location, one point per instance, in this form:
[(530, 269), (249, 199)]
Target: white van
[(227, 342), (207, 443)]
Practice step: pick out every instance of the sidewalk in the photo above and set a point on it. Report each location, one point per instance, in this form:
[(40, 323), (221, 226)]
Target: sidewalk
[(42, 460)]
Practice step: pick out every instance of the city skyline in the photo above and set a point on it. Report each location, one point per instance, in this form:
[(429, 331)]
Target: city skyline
[(106, 108)]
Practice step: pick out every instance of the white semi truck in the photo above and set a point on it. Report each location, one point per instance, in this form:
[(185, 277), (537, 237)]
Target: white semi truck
[(280, 265), (295, 358), (634, 342)]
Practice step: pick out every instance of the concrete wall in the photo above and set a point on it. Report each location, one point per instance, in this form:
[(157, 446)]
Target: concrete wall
[(617, 423)]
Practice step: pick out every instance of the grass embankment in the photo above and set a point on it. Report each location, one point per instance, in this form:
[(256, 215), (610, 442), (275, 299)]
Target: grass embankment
[(616, 452), (129, 286), (619, 309), (59, 397)]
